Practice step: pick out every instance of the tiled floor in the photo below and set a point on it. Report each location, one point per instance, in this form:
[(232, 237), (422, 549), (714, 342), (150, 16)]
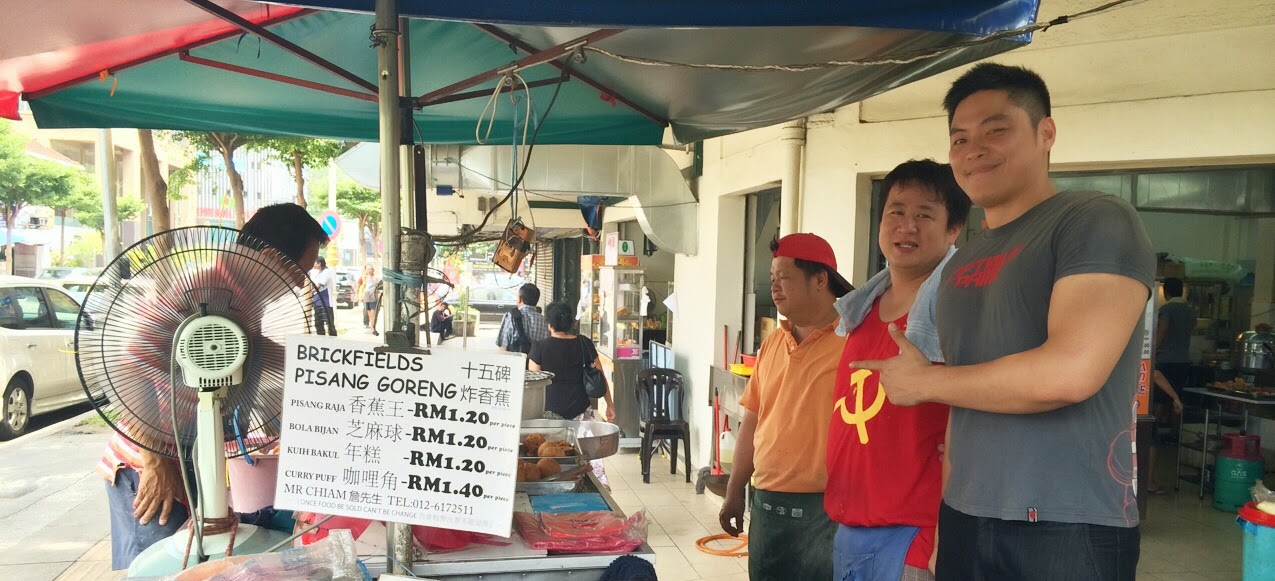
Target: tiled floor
[(1183, 539)]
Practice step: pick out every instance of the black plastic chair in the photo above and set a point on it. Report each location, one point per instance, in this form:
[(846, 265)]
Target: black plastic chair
[(662, 417)]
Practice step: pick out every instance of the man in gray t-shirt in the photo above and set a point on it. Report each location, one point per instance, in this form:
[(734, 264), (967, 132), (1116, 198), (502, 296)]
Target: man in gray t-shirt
[(1072, 464), (1038, 320)]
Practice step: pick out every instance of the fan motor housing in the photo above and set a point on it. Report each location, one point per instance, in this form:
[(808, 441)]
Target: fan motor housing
[(212, 351)]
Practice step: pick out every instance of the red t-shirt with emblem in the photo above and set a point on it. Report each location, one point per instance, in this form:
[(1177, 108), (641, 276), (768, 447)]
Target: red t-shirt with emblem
[(884, 461)]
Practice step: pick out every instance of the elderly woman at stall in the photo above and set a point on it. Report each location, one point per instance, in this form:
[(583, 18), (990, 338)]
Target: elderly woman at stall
[(563, 353)]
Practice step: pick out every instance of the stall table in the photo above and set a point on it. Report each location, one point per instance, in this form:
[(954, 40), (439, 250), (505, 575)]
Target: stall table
[(1260, 408), (517, 567)]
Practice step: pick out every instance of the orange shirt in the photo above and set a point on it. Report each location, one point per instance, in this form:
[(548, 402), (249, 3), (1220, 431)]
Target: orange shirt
[(790, 391)]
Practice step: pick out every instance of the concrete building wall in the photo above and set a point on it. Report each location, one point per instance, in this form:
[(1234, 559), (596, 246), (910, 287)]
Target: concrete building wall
[(1159, 84)]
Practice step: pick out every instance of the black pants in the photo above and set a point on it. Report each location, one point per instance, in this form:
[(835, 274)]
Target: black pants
[(977, 549), (324, 316)]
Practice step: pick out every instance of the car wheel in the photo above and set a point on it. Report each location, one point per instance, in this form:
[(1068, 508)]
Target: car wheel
[(15, 409)]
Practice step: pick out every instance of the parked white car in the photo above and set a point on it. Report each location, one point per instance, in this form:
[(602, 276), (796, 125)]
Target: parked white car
[(77, 286), (37, 359)]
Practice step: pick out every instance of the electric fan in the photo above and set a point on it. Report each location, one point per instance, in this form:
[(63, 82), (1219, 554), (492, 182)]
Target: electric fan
[(180, 347)]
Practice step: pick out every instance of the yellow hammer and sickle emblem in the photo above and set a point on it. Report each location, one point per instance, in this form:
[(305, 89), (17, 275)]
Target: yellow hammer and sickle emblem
[(859, 417)]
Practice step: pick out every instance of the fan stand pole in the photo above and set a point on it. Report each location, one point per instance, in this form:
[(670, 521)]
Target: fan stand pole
[(210, 466)]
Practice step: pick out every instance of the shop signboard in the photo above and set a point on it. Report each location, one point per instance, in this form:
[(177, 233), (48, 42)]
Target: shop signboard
[(420, 439)]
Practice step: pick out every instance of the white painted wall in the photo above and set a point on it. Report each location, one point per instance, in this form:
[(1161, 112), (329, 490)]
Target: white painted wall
[(1161, 84)]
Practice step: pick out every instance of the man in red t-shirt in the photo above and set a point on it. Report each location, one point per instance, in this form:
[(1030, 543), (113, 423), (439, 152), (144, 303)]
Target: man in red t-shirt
[(885, 462)]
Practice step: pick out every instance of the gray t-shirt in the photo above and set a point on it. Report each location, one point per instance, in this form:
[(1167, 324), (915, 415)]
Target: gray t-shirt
[(1176, 345), (1074, 464)]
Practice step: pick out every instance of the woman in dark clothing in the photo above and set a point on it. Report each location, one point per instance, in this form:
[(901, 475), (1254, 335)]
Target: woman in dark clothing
[(563, 354)]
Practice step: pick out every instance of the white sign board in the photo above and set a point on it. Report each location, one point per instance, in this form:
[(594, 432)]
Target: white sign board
[(419, 439), (611, 249)]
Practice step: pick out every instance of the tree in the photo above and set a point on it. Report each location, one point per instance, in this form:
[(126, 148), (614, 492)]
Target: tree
[(13, 169), (362, 204), (154, 188), (300, 153), (64, 201), (89, 211), (26, 181), (225, 144)]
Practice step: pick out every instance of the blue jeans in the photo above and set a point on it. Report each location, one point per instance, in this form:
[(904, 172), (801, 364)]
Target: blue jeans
[(870, 553), (129, 539)]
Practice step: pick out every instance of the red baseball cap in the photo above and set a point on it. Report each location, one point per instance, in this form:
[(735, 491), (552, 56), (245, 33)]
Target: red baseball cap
[(806, 246)]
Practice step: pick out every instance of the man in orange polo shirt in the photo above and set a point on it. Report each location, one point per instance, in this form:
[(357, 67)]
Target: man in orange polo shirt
[(782, 438)]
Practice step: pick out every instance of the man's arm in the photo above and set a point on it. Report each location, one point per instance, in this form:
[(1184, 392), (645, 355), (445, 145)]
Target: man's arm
[(731, 516), (1161, 328), (1091, 318), (502, 336)]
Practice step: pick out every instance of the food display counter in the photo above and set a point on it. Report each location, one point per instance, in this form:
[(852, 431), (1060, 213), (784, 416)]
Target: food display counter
[(518, 560)]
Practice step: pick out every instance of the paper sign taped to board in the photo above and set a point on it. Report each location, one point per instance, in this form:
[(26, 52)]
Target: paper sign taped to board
[(420, 439)]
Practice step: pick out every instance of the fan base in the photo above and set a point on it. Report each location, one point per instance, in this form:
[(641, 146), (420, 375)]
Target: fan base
[(165, 557)]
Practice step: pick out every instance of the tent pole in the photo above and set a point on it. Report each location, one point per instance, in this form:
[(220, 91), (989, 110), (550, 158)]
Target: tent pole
[(398, 536)]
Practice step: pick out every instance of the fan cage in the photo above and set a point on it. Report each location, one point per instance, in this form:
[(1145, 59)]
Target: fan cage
[(124, 338)]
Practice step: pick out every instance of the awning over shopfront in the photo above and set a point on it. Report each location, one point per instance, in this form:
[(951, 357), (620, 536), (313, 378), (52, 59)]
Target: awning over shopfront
[(169, 64)]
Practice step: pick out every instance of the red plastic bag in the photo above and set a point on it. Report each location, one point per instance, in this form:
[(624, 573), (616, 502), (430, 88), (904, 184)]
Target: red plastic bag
[(624, 540), (581, 525)]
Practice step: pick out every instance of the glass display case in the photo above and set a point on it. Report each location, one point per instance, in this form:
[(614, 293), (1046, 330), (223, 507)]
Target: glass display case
[(623, 306)]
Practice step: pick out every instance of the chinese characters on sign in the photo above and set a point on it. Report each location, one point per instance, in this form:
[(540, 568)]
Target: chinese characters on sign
[(419, 439)]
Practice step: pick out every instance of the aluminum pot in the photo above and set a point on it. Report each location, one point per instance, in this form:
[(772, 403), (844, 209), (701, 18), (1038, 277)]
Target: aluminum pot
[(1254, 350), (533, 395)]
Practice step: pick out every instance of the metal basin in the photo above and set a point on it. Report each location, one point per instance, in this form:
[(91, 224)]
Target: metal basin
[(594, 440)]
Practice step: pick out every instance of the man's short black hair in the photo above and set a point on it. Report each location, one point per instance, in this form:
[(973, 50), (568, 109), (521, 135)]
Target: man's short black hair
[(287, 227), (560, 317), (1026, 89), (529, 294), (810, 268), (934, 176), (1172, 288)]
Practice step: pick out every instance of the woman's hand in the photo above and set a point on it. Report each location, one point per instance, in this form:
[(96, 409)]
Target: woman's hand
[(611, 414)]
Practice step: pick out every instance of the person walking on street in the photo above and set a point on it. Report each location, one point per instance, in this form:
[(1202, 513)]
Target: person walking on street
[(371, 295), (1038, 318), (562, 354), (324, 314), (885, 462), (521, 327), (781, 440)]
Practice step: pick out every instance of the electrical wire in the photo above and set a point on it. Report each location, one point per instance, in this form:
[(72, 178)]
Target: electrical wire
[(499, 182), (468, 235), (901, 58)]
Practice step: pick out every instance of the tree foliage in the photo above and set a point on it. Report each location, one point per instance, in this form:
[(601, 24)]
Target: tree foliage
[(29, 181), (89, 211), (298, 153), (225, 145)]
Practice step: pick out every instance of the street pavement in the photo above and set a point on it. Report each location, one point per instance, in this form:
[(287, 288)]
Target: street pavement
[(53, 509)]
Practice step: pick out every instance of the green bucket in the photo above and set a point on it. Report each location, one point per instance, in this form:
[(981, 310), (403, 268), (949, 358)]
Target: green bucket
[(1232, 479)]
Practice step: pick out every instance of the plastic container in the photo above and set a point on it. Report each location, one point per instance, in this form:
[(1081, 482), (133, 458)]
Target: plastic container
[(1239, 465), (252, 486), (749, 360), (727, 443), (1259, 543)]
